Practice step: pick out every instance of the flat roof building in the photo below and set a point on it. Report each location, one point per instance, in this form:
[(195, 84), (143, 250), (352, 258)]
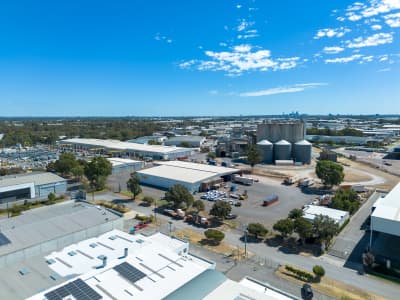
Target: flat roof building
[(117, 265), (125, 148), (190, 175), (30, 186), (190, 140), (386, 215), (52, 227), (339, 216), (124, 165)]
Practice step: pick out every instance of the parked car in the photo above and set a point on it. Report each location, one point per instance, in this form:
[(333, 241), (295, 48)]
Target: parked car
[(307, 292), (231, 216)]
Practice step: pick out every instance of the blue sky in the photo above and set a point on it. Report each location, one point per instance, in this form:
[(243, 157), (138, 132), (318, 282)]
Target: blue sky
[(163, 58)]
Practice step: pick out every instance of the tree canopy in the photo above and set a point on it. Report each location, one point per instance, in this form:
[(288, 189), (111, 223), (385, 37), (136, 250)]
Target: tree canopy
[(329, 172), (221, 209), (198, 205), (284, 226), (347, 200), (134, 186), (253, 155), (296, 213), (303, 228), (325, 228), (214, 235), (65, 164), (179, 196), (97, 170), (257, 229)]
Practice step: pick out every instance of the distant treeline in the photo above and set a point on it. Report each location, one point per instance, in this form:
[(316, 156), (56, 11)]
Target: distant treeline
[(332, 132), (31, 132)]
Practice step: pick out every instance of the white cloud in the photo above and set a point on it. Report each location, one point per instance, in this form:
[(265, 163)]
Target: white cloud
[(241, 58), (393, 20), (238, 6), (384, 70), (281, 90), (243, 25), (331, 32), (159, 37), (340, 19), (376, 27), (373, 8), (384, 57), (342, 60), (333, 50), (373, 40), (213, 92), (223, 44)]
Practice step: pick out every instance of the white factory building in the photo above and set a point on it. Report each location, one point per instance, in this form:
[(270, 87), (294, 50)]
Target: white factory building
[(124, 148), (312, 211), (124, 165), (386, 214), (30, 186), (193, 176), (117, 265)]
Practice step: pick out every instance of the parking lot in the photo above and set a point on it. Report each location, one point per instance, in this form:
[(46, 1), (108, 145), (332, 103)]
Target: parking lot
[(251, 210)]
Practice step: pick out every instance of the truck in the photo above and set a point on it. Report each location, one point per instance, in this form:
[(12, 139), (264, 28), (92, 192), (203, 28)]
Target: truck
[(270, 200), (291, 180), (243, 180), (306, 182)]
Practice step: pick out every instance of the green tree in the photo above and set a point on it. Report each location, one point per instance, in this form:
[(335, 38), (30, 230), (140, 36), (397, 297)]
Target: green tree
[(319, 271), (329, 172), (96, 171), (221, 209), (179, 196), (65, 164), (198, 205), (325, 228), (211, 155), (154, 142), (215, 236), (78, 171), (148, 200), (134, 186), (303, 228), (257, 229), (347, 200), (253, 155), (284, 226), (296, 213)]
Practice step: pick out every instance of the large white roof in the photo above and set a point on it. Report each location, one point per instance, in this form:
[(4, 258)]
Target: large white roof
[(178, 174), (311, 211), (116, 144), (388, 207), (221, 171), (165, 266)]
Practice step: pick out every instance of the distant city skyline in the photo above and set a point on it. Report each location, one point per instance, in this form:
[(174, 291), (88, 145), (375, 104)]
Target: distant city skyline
[(205, 58)]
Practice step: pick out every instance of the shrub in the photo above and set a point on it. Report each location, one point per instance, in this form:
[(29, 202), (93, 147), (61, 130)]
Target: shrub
[(302, 275), (214, 235), (318, 270)]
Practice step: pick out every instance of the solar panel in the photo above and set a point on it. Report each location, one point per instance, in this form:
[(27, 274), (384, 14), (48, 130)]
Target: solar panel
[(4, 240), (77, 288), (129, 272)]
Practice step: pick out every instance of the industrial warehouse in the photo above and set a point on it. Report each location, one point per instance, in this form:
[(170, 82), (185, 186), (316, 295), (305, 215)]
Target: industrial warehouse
[(116, 265), (124, 165), (124, 149), (30, 186), (283, 142), (195, 177)]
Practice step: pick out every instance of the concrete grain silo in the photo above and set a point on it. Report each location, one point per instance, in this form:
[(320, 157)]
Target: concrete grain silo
[(302, 152), (274, 132), (283, 150), (266, 149)]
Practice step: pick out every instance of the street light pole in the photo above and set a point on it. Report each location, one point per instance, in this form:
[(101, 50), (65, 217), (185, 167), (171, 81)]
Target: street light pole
[(170, 227), (245, 242)]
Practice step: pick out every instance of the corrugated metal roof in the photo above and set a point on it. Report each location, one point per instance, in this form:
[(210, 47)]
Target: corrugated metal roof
[(199, 287), (36, 178)]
